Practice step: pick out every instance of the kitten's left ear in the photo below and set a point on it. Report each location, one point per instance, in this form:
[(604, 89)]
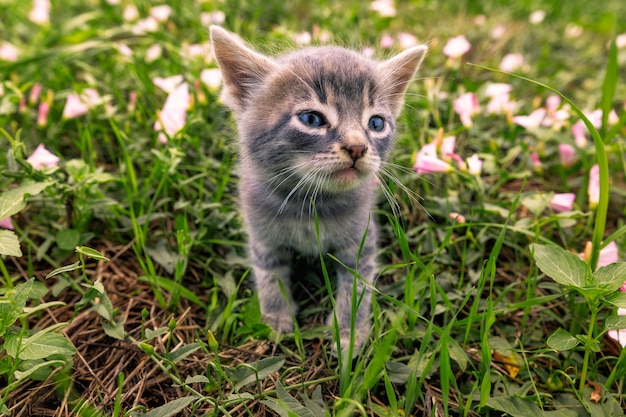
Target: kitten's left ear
[(243, 69), (399, 71)]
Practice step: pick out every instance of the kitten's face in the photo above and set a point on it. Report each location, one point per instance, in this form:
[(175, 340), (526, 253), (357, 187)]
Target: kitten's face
[(320, 119)]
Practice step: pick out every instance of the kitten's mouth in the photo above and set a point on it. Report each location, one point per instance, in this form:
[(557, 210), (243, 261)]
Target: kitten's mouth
[(346, 175)]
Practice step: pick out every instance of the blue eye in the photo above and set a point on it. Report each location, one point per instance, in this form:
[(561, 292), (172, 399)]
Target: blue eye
[(312, 119), (376, 123)]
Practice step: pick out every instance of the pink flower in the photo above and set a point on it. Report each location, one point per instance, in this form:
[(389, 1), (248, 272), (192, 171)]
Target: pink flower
[(474, 165), (35, 92), (619, 335), (500, 102), (456, 47), (406, 40), (620, 41), (608, 255), (534, 119), (168, 84), (593, 188), (8, 52), (130, 13), (143, 26), (132, 101), (124, 50), (386, 41), (562, 202), (43, 158), (7, 224), (534, 158), (74, 107), (457, 217), (153, 53), (429, 164), (173, 117), (447, 146), (302, 38), (466, 106), (161, 13), (512, 62), (212, 78), (384, 8), (552, 104), (42, 114), (40, 13), (537, 17), (567, 154), (578, 130)]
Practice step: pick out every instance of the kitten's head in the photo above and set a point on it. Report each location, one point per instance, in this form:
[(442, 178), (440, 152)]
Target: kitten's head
[(322, 118)]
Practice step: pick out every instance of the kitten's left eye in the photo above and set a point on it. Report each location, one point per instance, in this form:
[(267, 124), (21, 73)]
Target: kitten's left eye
[(312, 119), (376, 123)]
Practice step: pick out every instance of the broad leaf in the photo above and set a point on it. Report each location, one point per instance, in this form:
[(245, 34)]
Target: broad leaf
[(38, 346), (611, 277), (248, 373), (518, 407), (288, 405), (618, 299), (562, 340), (9, 243), (12, 304), (615, 323), (562, 266), (92, 253), (169, 409), (13, 201)]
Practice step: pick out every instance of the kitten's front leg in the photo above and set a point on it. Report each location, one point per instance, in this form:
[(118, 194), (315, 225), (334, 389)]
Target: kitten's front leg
[(365, 264), (269, 265)]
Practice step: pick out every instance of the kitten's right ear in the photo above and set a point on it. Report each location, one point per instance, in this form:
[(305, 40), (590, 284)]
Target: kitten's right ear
[(242, 68)]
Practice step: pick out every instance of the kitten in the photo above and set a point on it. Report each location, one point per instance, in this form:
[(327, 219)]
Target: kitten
[(315, 126)]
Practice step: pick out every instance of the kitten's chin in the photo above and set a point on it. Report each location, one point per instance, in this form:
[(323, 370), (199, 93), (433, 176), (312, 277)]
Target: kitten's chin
[(347, 178)]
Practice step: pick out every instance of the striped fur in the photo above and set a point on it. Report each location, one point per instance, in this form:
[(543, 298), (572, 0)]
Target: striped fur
[(292, 169)]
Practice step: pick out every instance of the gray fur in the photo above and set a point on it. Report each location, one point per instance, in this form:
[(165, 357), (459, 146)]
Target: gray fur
[(291, 172)]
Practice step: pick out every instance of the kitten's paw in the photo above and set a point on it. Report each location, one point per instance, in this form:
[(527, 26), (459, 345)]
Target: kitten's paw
[(362, 331), (282, 323)]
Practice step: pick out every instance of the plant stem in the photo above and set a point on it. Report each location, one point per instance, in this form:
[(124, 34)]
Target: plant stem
[(588, 341)]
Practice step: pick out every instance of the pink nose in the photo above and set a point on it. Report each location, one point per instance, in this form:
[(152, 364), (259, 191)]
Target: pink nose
[(356, 151)]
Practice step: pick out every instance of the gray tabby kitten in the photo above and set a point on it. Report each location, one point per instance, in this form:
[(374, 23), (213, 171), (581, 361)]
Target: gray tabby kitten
[(315, 126)]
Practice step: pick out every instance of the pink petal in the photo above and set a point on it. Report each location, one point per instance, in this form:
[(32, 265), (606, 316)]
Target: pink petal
[(456, 47), (427, 164), (40, 13), (161, 13), (43, 158), (74, 107), (578, 130), (474, 165), (534, 119), (42, 114), (212, 77), (512, 62), (173, 117), (447, 145), (567, 154), (562, 202), (384, 8), (168, 84), (466, 106), (8, 52), (7, 224), (593, 188), (608, 255), (458, 217)]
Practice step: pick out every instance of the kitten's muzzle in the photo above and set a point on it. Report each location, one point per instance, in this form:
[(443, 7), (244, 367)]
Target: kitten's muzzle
[(355, 151)]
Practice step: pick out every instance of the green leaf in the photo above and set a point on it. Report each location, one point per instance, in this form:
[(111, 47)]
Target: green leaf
[(63, 269), (38, 346), (114, 329), (561, 340), (168, 409), (9, 243), (92, 253), (182, 352), (248, 373), (12, 304), (562, 266), (67, 239), (618, 299), (517, 407), (12, 201), (615, 323), (611, 277), (171, 286), (288, 405)]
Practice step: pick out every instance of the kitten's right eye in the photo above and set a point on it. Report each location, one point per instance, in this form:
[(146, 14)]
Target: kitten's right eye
[(312, 119)]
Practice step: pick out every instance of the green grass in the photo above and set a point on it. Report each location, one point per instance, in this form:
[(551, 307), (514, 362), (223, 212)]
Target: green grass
[(132, 291)]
